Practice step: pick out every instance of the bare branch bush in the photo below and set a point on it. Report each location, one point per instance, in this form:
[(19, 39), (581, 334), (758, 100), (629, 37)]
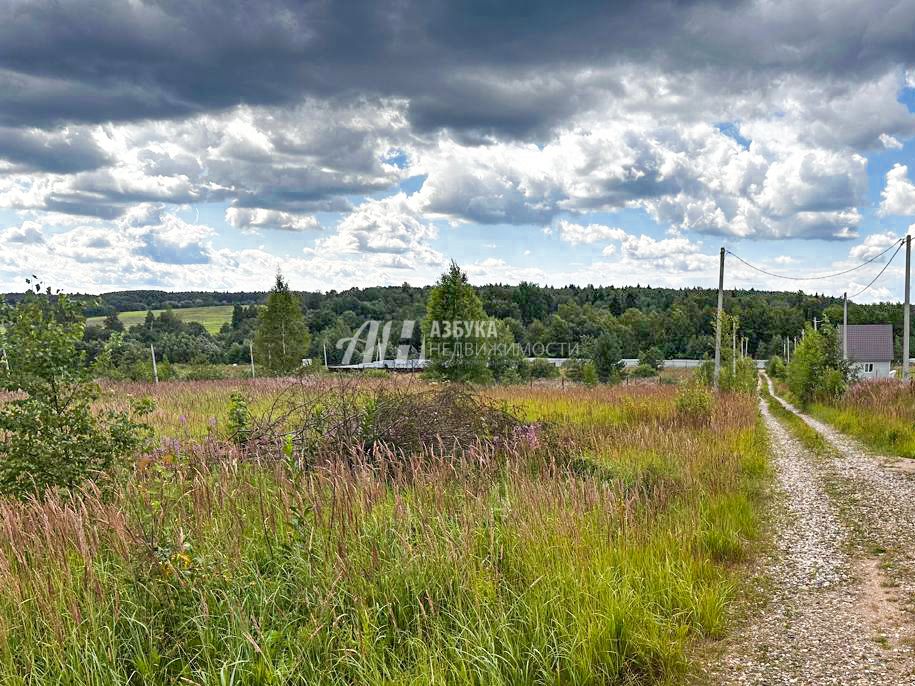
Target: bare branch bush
[(315, 422)]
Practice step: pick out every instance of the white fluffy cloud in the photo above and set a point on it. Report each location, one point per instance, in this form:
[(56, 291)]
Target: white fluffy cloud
[(292, 160), (694, 178), (577, 234), (898, 196), (872, 246), (674, 254), (890, 142), (392, 229), (252, 219), (27, 233)]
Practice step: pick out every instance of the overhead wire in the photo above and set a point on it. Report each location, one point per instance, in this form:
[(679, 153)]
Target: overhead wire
[(888, 262), (897, 244)]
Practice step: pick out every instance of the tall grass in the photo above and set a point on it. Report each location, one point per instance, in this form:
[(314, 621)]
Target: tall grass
[(592, 550), (880, 413)]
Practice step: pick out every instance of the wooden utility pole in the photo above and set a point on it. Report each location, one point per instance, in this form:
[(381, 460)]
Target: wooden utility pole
[(152, 351), (907, 309), (845, 326), (251, 357), (718, 321)]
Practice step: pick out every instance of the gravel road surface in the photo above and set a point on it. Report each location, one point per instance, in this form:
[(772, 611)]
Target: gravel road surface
[(836, 589)]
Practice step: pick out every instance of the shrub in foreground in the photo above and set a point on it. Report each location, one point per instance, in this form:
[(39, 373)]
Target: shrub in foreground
[(49, 435)]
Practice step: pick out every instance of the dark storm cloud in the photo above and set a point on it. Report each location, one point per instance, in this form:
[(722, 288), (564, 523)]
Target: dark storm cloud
[(60, 153), (472, 67)]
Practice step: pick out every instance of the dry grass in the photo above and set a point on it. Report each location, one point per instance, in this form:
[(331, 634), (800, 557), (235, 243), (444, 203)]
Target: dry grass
[(591, 549), (880, 413)]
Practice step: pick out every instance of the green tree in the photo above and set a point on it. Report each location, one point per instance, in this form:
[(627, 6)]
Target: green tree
[(455, 343), (49, 435), (505, 359), (589, 375), (281, 340), (531, 300), (113, 323), (817, 370), (541, 368), (775, 367), (606, 355), (653, 358)]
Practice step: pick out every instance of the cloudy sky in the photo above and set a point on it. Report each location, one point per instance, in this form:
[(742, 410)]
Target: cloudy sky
[(196, 144)]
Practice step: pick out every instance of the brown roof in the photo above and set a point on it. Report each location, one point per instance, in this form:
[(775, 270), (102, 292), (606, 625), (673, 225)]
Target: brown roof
[(869, 342)]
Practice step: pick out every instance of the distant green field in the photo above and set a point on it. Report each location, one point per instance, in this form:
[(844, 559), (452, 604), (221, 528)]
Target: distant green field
[(212, 317)]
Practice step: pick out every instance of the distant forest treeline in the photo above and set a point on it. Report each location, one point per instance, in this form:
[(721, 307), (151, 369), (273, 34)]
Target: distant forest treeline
[(678, 321)]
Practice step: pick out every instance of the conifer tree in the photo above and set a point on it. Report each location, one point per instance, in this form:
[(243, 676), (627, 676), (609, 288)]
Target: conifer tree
[(455, 328), (282, 338)]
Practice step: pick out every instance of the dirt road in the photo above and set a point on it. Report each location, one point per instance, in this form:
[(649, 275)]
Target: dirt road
[(837, 586)]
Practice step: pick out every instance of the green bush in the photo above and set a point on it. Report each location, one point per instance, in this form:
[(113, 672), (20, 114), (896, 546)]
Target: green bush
[(705, 373), (511, 377), (740, 377), (572, 368), (775, 367), (49, 435), (376, 374), (644, 371), (239, 424), (202, 372), (589, 374), (832, 385), (817, 370), (543, 369), (653, 357), (606, 357), (694, 402)]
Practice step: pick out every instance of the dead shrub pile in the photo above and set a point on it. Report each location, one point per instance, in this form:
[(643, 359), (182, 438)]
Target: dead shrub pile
[(353, 420)]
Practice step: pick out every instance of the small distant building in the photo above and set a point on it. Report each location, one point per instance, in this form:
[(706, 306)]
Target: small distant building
[(870, 349), (397, 365)]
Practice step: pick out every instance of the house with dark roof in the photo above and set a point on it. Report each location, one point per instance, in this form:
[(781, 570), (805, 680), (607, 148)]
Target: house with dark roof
[(870, 349)]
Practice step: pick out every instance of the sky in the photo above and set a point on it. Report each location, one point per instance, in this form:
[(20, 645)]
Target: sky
[(204, 144)]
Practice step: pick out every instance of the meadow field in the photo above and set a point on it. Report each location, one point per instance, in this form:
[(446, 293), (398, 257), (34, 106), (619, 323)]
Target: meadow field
[(314, 533), (212, 317)]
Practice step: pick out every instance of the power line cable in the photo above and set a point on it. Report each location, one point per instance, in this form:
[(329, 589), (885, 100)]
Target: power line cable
[(823, 276), (888, 262)]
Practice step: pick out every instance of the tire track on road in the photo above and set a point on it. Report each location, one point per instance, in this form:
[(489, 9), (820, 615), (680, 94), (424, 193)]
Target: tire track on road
[(827, 616)]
